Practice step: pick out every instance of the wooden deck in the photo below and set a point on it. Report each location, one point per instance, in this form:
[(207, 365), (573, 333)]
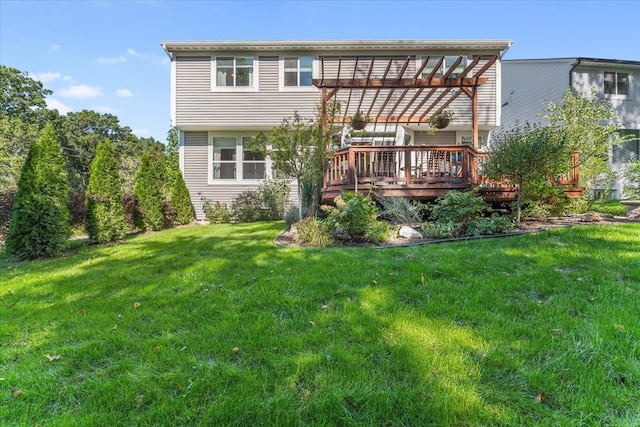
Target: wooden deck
[(421, 172)]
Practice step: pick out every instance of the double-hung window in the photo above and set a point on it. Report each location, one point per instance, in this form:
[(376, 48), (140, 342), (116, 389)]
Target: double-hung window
[(234, 72), (296, 72), (233, 159), (628, 151), (441, 70), (616, 83)]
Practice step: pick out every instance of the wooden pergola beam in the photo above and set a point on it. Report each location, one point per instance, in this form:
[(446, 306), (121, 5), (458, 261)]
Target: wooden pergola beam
[(410, 83)]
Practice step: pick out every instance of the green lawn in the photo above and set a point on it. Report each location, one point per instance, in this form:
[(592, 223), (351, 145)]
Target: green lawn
[(467, 333)]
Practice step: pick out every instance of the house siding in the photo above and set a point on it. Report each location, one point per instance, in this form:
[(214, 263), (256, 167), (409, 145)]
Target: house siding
[(195, 158)]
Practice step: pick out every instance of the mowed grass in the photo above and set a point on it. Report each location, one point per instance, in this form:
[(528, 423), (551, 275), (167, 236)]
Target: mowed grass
[(540, 329)]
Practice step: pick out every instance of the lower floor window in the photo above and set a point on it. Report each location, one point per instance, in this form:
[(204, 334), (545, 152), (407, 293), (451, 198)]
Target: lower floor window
[(627, 151), (232, 158)]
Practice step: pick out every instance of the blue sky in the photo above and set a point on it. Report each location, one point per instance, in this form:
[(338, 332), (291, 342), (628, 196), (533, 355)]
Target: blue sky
[(106, 55)]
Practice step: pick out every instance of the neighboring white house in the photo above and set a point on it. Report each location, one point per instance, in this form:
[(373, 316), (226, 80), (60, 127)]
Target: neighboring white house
[(223, 93), (526, 83)]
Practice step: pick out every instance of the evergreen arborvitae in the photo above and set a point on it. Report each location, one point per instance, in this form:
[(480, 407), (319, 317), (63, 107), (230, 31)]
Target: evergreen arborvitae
[(148, 196), (181, 201), (40, 218), (105, 214)]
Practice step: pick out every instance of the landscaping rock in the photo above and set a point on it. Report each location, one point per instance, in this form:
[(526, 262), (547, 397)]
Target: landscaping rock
[(409, 233)]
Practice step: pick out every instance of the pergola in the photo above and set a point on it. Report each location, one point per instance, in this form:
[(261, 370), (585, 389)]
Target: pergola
[(398, 98)]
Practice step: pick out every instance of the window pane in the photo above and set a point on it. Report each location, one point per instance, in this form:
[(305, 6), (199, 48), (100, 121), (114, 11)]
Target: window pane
[(610, 83), (305, 78), (431, 63), (290, 78), (306, 63), (291, 64), (623, 84), (244, 77), (244, 61), (224, 171), (253, 170)]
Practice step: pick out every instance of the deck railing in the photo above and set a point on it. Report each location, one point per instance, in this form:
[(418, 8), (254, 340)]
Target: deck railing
[(404, 165), (422, 171)]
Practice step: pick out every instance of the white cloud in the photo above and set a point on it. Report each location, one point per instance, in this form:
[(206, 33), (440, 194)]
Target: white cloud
[(47, 77), (54, 104), (81, 91), (67, 79), (55, 48), (112, 60), (134, 53), (124, 93)]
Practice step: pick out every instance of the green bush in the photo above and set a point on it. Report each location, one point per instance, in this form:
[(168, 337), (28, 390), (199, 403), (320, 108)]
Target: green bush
[(352, 216), (267, 203), (105, 220), (440, 230), (216, 212), (632, 175), (148, 197), (313, 232), (459, 207), (401, 210), (488, 226), (181, 201), (40, 216), (545, 196), (380, 232), (274, 195)]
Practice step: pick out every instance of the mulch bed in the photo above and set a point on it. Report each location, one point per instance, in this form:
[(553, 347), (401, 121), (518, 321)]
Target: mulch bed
[(285, 239)]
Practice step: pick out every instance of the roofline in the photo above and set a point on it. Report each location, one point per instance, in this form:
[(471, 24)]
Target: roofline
[(581, 60), (340, 45)]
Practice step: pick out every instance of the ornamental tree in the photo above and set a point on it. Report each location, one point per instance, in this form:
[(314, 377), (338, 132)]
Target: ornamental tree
[(527, 155), (148, 197), (105, 220), (40, 217), (181, 200)]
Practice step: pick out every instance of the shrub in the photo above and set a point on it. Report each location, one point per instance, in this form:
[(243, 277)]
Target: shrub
[(105, 213), (148, 197), (292, 216), (216, 212), (459, 207), (181, 201), (274, 196), (264, 204), (352, 216), (546, 196), (488, 226), (401, 210), (440, 230), (129, 205), (313, 232), (77, 207), (40, 216), (247, 207), (6, 203), (380, 232)]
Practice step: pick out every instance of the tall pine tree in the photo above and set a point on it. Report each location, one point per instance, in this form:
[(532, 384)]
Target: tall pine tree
[(148, 196), (40, 218), (105, 213)]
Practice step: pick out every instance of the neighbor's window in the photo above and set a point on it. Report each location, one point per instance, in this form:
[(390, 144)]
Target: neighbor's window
[(234, 71), (628, 151), (616, 83), (253, 162), (298, 71)]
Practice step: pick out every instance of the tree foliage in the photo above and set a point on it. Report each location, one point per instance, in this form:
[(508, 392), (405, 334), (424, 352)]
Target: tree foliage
[(148, 196), (181, 201), (528, 154), (589, 126), (20, 95), (172, 157), (40, 218), (105, 213)]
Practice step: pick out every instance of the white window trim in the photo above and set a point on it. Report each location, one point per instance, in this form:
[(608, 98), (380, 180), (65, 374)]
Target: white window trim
[(460, 135), (239, 162), (314, 74), (256, 76)]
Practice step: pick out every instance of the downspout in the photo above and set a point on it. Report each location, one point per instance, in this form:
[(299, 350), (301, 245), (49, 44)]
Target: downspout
[(579, 60)]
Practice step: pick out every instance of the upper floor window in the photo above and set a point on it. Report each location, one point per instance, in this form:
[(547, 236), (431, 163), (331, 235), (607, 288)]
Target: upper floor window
[(298, 71), (616, 83), (441, 70), (234, 72)]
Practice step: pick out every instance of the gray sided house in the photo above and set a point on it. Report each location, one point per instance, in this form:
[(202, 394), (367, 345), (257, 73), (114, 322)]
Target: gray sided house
[(526, 83), (223, 93)]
